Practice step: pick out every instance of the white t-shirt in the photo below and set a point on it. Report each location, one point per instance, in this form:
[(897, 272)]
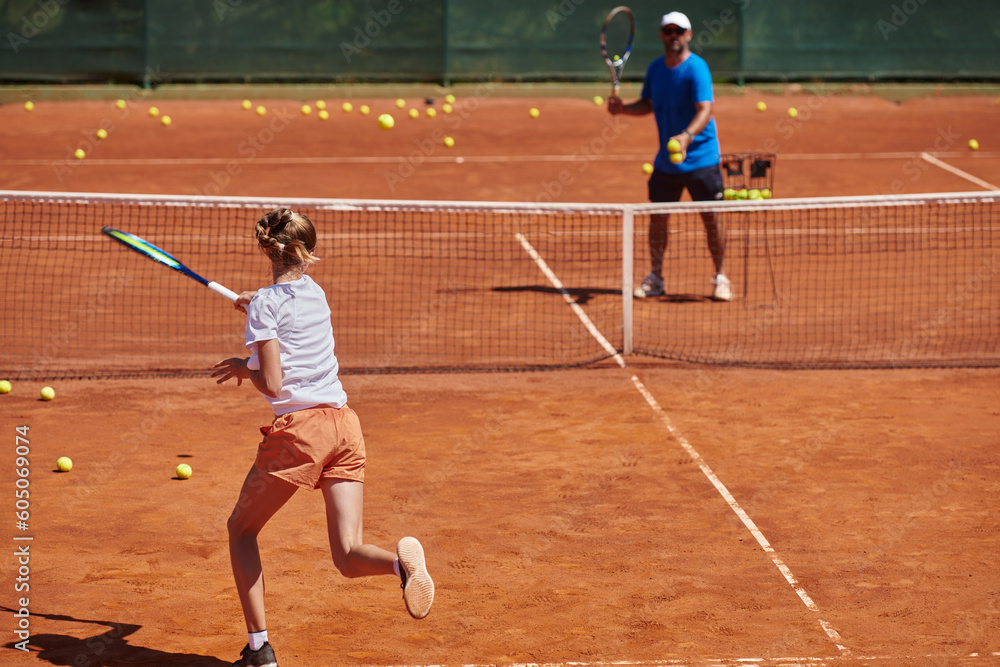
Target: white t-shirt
[(297, 314)]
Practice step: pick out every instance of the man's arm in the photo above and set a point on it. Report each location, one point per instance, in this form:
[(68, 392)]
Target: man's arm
[(640, 107)]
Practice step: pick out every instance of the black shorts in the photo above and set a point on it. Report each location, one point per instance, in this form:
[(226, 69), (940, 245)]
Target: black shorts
[(704, 184)]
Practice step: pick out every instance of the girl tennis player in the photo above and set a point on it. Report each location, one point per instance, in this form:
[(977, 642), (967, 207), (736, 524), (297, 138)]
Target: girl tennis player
[(315, 440)]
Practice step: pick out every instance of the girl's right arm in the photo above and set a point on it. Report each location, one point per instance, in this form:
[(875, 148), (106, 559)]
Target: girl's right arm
[(243, 300)]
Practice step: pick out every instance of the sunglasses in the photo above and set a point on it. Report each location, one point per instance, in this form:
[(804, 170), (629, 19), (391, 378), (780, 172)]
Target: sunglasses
[(669, 32)]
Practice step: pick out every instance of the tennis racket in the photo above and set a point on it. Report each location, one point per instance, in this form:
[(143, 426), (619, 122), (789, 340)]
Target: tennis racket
[(617, 35), (147, 249)]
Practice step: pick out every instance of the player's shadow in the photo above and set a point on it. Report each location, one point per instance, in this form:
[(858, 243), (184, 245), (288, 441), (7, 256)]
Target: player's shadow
[(681, 298), (581, 294), (109, 647)]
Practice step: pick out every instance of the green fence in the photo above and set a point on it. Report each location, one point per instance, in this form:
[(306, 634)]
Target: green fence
[(154, 41)]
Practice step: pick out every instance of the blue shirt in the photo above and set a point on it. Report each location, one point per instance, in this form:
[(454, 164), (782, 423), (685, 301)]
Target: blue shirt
[(674, 93)]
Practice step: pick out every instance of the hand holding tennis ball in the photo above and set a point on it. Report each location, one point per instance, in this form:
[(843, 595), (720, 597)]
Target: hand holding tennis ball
[(677, 158), (674, 146)]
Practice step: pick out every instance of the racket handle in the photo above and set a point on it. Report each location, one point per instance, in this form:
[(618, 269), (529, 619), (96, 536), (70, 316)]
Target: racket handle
[(219, 289), (614, 90)]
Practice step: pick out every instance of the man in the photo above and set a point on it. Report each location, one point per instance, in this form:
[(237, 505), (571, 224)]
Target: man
[(677, 90)]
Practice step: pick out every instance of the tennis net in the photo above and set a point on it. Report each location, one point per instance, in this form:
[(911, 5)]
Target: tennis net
[(892, 281)]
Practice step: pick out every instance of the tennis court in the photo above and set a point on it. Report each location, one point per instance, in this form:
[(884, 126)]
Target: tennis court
[(656, 513)]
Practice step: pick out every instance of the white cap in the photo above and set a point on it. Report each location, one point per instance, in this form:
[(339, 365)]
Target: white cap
[(677, 19)]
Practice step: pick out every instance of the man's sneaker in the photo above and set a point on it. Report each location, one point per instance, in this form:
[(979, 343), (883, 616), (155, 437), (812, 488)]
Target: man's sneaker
[(418, 588), (262, 657), (651, 286), (723, 289)]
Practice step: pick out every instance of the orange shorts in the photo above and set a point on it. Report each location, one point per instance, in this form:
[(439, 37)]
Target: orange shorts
[(305, 446)]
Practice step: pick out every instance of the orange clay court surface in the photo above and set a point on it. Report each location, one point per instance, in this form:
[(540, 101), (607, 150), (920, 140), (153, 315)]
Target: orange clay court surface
[(655, 514)]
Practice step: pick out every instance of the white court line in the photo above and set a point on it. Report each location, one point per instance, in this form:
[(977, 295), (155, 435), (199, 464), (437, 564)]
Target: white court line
[(575, 307), (971, 659), (958, 172)]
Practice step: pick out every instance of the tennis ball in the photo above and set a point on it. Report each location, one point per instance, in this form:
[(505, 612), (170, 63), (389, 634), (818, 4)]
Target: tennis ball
[(48, 393), (449, 98), (79, 154), (754, 193), (431, 112), (4, 387), (674, 146), (154, 112), (323, 114), (615, 57), (102, 133), (973, 144), (364, 109), (165, 120), (400, 103), (64, 464), (729, 193), (761, 106), (120, 104), (261, 110), (183, 471), (647, 168), (449, 142), (413, 113), (29, 106), (385, 121), (792, 112), (765, 193), (598, 100), (306, 109), (446, 108), (246, 104), (347, 107), (534, 113), (320, 104), (742, 193), (677, 158)]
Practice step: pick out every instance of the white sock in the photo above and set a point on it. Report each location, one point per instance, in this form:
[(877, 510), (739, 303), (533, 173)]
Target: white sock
[(257, 639), (395, 567)]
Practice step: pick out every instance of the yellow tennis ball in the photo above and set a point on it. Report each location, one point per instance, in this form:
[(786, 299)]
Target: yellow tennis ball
[(323, 114), (29, 106), (765, 193), (431, 112), (79, 154), (754, 193), (446, 108), (64, 464), (246, 104), (647, 168), (347, 107), (385, 121), (165, 120), (449, 98), (261, 110), (743, 193), (48, 393), (320, 104), (729, 193), (534, 113), (677, 158), (183, 471), (973, 144), (761, 106), (120, 104), (102, 133), (674, 146), (306, 109), (412, 113), (364, 109), (4, 387), (154, 112), (449, 142), (598, 99), (400, 103), (793, 112)]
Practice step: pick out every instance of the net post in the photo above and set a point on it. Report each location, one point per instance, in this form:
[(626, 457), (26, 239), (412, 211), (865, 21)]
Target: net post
[(628, 228)]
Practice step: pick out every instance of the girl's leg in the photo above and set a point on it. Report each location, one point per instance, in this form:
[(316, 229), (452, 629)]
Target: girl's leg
[(344, 501), (261, 496)]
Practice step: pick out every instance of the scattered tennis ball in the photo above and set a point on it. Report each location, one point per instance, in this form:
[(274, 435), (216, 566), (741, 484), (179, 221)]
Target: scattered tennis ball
[(400, 103), (765, 193), (677, 158), (165, 120), (413, 113), (449, 142), (598, 100), (647, 168), (102, 133), (973, 144), (4, 387), (385, 121), (754, 193), (79, 154), (120, 104), (347, 107), (792, 112), (261, 110), (446, 108), (449, 98), (323, 114), (364, 109), (674, 146), (761, 106), (729, 193), (183, 471), (246, 104), (431, 112), (48, 393), (29, 106), (64, 464), (320, 104), (534, 113), (154, 112), (306, 109)]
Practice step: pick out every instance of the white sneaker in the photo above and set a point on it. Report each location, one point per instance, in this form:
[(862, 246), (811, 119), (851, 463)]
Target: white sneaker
[(418, 587), (651, 286), (723, 288)]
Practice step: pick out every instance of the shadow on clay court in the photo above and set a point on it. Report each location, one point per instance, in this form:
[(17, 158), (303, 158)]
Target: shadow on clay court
[(108, 648), (581, 294)]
